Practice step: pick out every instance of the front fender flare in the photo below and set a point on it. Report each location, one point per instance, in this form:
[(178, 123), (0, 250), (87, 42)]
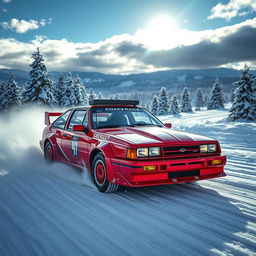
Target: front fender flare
[(107, 152)]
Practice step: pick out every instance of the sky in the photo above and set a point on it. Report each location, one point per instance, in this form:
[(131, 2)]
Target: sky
[(122, 37)]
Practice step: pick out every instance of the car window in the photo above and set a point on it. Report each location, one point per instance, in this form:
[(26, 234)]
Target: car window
[(110, 117), (85, 122), (101, 117), (141, 117), (77, 118), (61, 121)]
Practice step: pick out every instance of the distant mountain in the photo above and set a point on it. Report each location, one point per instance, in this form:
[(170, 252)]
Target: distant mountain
[(172, 79), (20, 75)]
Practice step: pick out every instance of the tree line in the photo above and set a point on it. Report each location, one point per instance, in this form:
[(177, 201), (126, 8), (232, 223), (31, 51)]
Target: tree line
[(163, 104), (243, 99), (42, 90), (70, 91)]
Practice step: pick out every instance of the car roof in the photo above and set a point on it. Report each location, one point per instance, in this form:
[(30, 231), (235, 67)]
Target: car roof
[(97, 103), (101, 106)]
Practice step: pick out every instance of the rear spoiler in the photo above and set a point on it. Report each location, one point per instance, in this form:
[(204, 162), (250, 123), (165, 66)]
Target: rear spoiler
[(47, 115)]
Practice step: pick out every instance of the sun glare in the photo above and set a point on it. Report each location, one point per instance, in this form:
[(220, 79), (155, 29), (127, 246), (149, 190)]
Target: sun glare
[(162, 23), (161, 33)]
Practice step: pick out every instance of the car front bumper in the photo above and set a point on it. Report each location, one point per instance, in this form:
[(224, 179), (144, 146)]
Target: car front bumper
[(132, 173)]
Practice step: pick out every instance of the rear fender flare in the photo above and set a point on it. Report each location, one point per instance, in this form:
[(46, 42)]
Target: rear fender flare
[(51, 138)]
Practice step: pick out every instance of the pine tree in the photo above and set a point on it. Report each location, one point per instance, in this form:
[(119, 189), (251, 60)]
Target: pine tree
[(232, 97), (91, 95), (100, 96), (244, 104), (71, 85), (154, 105), (80, 92), (216, 99), (199, 99), (2, 91), (206, 100), (39, 88), (185, 101), (11, 95), (59, 90), (69, 98), (84, 94), (163, 105), (174, 106)]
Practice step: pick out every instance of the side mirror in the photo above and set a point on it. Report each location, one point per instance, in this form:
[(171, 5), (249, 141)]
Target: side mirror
[(80, 128), (168, 125)]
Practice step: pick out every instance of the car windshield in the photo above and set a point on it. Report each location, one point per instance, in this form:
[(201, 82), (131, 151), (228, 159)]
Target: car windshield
[(111, 117)]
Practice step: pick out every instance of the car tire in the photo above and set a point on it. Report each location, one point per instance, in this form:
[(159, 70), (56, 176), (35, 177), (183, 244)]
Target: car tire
[(100, 175), (48, 152)]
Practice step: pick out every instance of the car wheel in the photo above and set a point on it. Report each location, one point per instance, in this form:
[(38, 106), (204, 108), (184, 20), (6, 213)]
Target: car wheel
[(48, 152), (100, 175)]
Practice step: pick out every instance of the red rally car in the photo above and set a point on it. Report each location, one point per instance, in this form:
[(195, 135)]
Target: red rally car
[(123, 144)]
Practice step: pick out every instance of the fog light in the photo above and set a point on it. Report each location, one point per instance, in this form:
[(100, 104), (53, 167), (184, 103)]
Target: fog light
[(150, 168), (215, 162)]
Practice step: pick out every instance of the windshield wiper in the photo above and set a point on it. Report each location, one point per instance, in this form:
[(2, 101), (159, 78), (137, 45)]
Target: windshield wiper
[(110, 126), (146, 124), (133, 125)]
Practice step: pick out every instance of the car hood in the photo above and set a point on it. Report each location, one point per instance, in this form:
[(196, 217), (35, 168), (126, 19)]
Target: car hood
[(153, 135)]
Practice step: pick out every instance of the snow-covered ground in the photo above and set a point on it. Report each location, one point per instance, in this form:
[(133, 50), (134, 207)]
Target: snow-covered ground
[(55, 209)]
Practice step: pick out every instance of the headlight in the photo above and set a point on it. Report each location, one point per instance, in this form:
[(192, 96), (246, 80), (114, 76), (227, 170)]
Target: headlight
[(148, 152), (208, 148), (154, 151), (212, 148), (142, 152), (203, 148)]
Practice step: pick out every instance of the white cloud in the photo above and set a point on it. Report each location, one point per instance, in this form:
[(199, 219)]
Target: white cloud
[(232, 9), (131, 53), (38, 40), (44, 22), (6, 1), (23, 26)]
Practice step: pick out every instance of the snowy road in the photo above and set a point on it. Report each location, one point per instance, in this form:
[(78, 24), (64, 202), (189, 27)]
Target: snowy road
[(55, 210)]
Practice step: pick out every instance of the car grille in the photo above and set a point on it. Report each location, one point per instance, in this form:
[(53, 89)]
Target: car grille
[(181, 150)]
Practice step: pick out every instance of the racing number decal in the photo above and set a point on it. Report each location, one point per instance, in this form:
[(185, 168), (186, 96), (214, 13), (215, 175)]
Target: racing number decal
[(74, 146)]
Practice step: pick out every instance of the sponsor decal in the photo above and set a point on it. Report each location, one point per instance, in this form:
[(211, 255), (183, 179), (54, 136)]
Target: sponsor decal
[(121, 109), (74, 146), (101, 136)]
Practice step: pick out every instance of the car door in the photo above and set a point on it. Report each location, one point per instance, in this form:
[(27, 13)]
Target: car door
[(74, 144), (58, 128)]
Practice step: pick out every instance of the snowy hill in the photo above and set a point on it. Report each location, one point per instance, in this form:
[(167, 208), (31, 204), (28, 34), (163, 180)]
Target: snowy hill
[(171, 79), (55, 210)]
